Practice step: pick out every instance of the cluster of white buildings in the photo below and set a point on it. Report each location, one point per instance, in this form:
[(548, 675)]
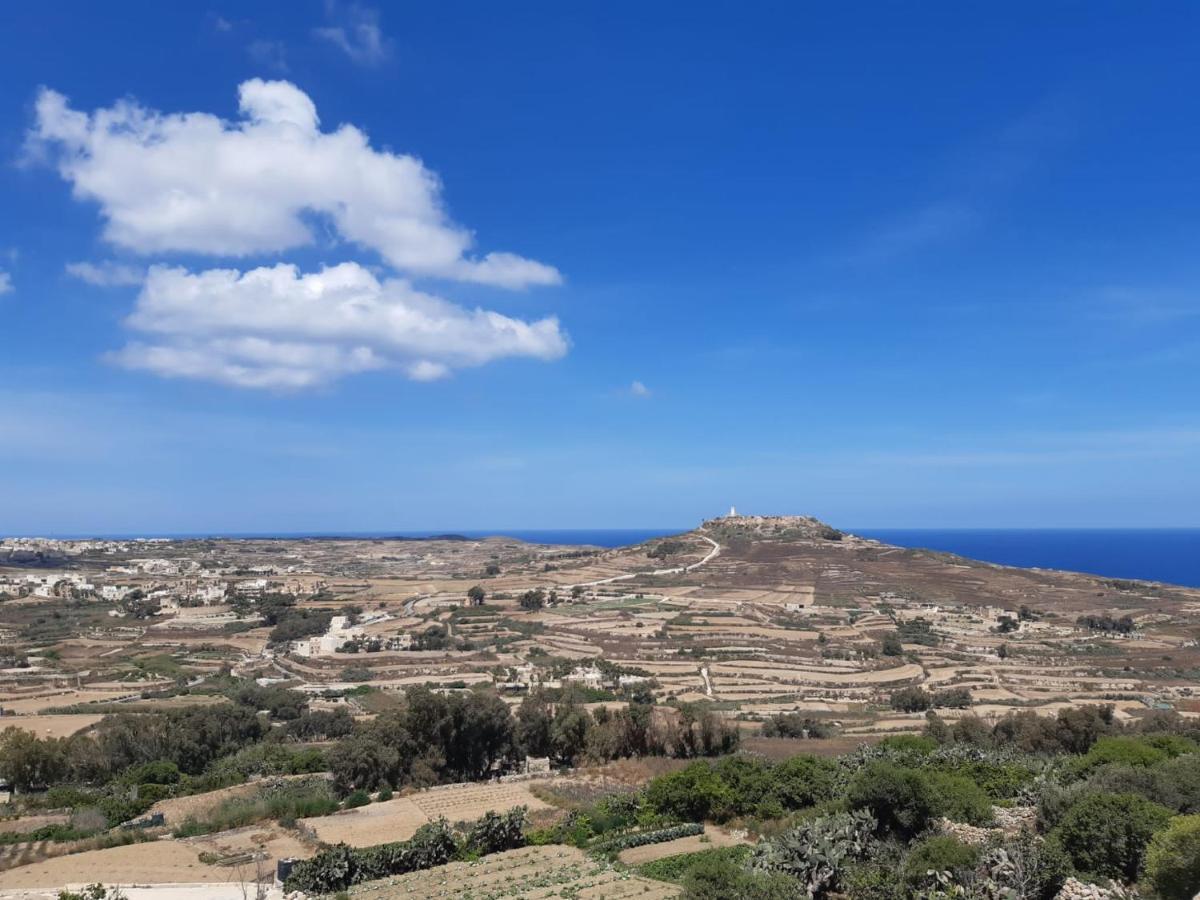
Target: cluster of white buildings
[(44, 584), (341, 632)]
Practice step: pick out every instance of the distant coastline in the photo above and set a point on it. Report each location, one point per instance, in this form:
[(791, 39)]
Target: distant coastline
[(1170, 555)]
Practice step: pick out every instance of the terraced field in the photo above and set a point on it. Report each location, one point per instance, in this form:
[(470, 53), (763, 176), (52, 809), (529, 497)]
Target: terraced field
[(535, 873)]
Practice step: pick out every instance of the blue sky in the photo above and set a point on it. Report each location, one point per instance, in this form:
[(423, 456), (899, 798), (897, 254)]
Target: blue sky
[(597, 265)]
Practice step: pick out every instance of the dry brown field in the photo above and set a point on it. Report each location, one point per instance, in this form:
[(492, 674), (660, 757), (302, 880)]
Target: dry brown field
[(399, 818), (161, 861)]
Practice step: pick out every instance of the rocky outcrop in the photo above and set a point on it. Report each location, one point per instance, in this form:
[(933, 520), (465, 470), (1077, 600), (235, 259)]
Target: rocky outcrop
[(1074, 889)]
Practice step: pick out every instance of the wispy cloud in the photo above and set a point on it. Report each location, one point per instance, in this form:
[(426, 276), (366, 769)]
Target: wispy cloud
[(639, 390), (970, 187), (271, 55), (107, 273), (6, 284), (355, 30)]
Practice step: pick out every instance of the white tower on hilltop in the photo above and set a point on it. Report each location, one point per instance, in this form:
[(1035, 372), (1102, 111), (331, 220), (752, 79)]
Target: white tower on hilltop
[(732, 513)]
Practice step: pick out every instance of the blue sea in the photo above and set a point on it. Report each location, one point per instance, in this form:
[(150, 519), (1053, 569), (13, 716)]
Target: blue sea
[(1168, 554)]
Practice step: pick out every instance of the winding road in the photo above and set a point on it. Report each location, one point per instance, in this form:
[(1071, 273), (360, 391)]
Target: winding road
[(712, 554)]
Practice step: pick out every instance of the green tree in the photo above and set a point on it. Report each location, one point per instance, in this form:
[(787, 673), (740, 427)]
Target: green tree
[(533, 599), (362, 762), (476, 595), (911, 699), (568, 733), (535, 722), (28, 761), (1173, 859)]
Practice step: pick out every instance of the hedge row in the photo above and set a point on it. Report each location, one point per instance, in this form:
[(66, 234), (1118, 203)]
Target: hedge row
[(642, 838)]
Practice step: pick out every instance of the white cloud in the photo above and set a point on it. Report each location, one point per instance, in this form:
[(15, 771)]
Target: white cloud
[(192, 182), (358, 34), (274, 327), (106, 273), (6, 284), (639, 390)]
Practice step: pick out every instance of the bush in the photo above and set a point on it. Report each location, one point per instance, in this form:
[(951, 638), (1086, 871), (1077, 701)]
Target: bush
[(803, 781), (914, 744), (1127, 751), (901, 799), (1107, 834), (714, 878), (695, 793), (938, 854), (356, 799), (675, 868), (794, 725), (495, 832), (385, 794), (1179, 783), (1173, 859), (959, 798)]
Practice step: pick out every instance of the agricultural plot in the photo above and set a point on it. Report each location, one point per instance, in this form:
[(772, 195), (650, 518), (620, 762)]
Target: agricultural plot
[(713, 837), (164, 862), (536, 873), (398, 819)]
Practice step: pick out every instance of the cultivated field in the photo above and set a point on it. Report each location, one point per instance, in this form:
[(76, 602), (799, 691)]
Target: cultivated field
[(536, 873), (399, 818)]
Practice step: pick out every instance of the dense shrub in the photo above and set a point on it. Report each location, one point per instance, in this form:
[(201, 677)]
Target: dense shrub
[(940, 853), (675, 868), (1107, 834), (959, 798), (356, 799), (1173, 859), (712, 878), (803, 781), (695, 793), (742, 786), (1126, 751), (1179, 783), (901, 799), (794, 725), (495, 832)]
